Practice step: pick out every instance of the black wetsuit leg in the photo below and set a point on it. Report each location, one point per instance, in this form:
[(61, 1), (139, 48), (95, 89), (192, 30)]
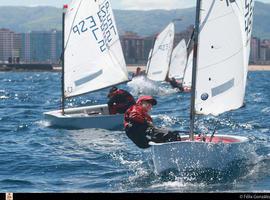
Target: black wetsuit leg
[(137, 134), (160, 135)]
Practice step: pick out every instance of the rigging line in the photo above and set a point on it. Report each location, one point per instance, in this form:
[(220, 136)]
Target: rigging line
[(222, 16), (188, 46), (236, 5), (72, 25), (213, 19), (214, 131), (202, 24)]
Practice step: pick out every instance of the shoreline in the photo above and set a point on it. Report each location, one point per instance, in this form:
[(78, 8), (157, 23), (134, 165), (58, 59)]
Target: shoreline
[(130, 68), (259, 68)]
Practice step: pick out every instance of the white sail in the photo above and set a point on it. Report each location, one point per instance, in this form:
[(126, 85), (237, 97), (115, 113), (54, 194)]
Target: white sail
[(93, 54), (187, 81), (178, 60), (159, 64), (222, 56), (245, 14)]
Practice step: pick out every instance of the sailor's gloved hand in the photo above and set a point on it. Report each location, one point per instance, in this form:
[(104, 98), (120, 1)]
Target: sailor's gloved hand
[(129, 125), (149, 130), (150, 123), (174, 136)]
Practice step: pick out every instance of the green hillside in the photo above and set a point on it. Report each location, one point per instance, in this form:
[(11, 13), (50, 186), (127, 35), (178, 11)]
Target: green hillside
[(24, 19)]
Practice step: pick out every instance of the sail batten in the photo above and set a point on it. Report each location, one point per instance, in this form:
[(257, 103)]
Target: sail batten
[(161, 54), (93, 54), (222, 56)]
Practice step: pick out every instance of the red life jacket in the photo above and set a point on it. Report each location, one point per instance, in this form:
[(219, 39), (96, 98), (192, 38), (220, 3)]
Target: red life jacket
[(128, 97), (136, 114)]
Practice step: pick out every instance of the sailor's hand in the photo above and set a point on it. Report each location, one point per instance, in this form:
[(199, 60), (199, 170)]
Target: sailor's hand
[(129, 125), (150, 124)]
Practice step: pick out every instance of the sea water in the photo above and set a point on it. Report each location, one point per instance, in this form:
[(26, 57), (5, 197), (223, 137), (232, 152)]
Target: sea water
[(37, 158)]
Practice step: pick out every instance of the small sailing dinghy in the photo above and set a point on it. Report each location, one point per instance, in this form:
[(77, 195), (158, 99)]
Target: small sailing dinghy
[(160, 56), (218, 85), (178, 61), (93, 60)]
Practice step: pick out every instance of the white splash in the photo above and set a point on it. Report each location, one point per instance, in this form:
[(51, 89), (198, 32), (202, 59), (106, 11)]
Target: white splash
[(4, 97), (43, 123), (266, 110), (142, 86)]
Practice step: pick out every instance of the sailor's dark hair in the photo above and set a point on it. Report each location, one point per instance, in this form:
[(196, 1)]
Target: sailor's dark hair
[(114, 88)]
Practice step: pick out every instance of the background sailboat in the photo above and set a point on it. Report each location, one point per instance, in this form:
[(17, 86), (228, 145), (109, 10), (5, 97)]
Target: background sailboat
[(157, 65), (178, 61), (160, 57), (218, 85), (93, 60)]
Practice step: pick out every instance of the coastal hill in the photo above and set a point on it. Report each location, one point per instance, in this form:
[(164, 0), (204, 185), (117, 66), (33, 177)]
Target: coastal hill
[(24, 19)]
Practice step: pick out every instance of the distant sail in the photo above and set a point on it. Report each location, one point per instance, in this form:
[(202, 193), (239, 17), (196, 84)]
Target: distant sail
[(159, 64), (93, 53), (149, 60), (187, 81), (178, 61), (223, 55)]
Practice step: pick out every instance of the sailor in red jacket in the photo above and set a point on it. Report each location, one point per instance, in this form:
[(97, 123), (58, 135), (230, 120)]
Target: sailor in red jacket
[(119, 101), (139, 124)]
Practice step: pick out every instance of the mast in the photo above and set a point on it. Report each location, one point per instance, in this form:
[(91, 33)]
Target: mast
[(150, 58), (191, 38), (188, 47), (167, 76), (194, 69), (63, 59)]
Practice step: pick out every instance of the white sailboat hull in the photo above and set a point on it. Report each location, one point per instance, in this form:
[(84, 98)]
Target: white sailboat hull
[(186, 155), (85, 117)]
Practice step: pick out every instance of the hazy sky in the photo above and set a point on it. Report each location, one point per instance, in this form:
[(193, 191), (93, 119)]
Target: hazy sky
[(117, 4)]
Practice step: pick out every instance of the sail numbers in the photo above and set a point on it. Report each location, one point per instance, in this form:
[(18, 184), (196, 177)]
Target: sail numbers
[(229, 1), (248, 16), (101, 26), (164, 47)]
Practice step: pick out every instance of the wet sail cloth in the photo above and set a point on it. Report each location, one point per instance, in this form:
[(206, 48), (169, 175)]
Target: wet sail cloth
[(178, 61), (223, 61), (93, 54)]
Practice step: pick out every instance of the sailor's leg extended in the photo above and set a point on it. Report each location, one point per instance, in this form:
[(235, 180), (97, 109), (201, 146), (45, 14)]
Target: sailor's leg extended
[(160, 135)]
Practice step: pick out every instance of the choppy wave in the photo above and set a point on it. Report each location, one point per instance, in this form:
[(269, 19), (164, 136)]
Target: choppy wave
[(37, 158)]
